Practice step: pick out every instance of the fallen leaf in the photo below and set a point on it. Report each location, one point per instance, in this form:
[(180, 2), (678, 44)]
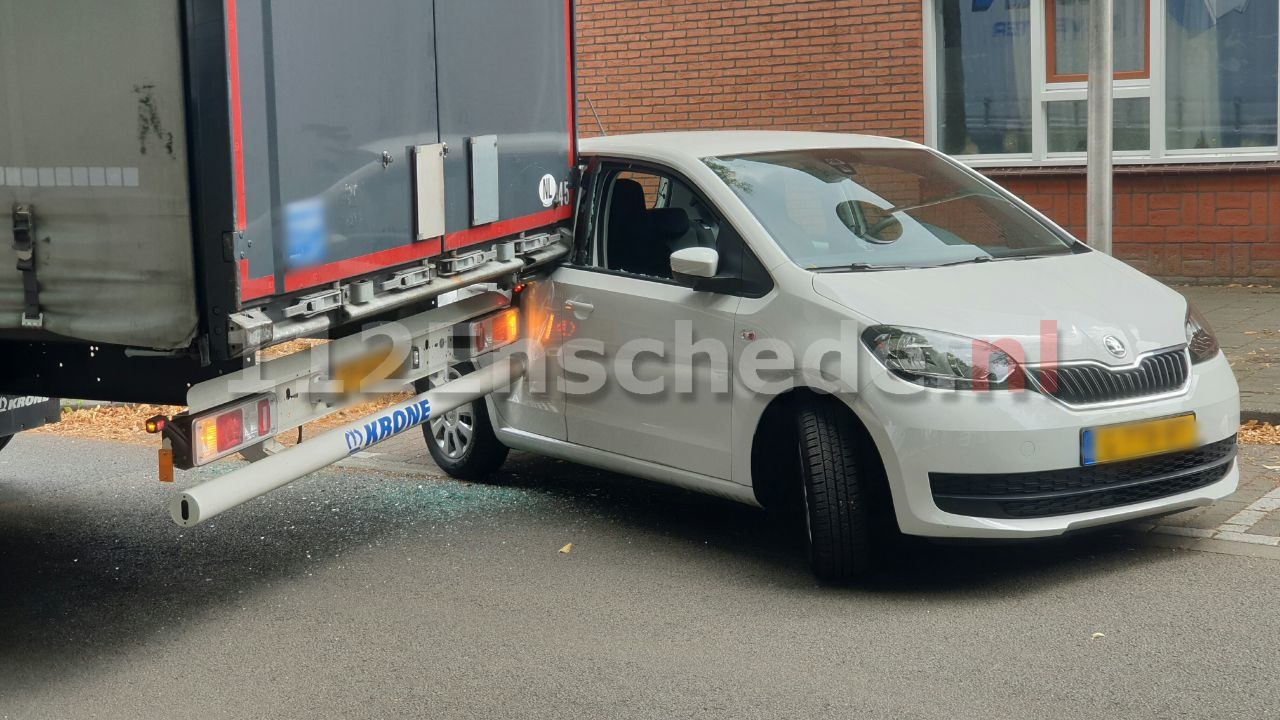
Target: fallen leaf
[(566, 549), (1098, 636)]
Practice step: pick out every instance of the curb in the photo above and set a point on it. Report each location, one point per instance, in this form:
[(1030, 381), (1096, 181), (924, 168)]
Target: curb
[(1211, 545), (1262, 416)]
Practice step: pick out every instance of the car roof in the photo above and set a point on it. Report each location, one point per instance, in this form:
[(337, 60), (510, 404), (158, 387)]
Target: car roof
[(695, 145)]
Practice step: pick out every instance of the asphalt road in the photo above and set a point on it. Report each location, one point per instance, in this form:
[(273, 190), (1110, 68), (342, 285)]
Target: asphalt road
[(357, 593)]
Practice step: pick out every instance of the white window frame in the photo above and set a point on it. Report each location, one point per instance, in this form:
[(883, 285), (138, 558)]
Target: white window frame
[(1154, 87)]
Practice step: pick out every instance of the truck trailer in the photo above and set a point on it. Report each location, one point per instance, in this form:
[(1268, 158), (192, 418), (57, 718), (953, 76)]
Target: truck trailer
[(191, 182)]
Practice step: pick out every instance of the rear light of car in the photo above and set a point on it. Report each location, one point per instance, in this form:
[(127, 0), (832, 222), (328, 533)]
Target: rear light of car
[(227, 430)]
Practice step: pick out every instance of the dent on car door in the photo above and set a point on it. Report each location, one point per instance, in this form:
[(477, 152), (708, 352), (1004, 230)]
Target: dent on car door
[(633, 385)]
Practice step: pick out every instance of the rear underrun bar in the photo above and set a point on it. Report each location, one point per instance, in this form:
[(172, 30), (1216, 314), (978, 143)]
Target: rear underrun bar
[(216, 496)]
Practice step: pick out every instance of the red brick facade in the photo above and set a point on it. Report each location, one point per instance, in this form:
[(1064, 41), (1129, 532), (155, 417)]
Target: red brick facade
[(858, 66), (659, 64), (1192, 222)]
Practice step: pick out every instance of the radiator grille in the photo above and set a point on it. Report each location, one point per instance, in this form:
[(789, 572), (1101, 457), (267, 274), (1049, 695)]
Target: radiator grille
[(1092, 384)]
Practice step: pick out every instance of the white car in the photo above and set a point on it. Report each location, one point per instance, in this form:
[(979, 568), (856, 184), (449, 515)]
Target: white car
[(884, 337)]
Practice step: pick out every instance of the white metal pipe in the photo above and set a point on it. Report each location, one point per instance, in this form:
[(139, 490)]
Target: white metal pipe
[(208, 499), (1098, 195)]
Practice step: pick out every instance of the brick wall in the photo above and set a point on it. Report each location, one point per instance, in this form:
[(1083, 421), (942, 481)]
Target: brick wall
[(764, 64), (857, 66), (1187, 222)]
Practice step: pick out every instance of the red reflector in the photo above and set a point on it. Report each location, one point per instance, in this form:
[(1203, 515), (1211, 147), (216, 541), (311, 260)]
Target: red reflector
[(230, 430), (264, 417)]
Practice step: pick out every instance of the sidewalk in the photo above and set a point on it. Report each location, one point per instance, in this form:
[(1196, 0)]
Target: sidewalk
[(1247, 322), (1251, 516)]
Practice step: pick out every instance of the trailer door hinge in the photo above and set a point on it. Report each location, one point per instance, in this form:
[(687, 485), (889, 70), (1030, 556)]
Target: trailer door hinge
[(24, 247), (316, 303)]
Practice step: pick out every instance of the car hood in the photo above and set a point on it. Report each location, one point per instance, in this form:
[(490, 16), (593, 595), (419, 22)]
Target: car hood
[(1088, 296)]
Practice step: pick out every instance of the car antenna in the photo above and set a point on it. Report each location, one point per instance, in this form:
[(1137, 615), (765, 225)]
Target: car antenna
[(595, 114)]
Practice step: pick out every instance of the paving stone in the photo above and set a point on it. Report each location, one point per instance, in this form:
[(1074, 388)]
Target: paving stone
[(1270, 525), (1247, 322), (1207, 517)]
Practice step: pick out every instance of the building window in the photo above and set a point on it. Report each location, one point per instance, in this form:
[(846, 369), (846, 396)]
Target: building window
[(1067, 40), (1222, 70), (1193, 79), (984, 78), (1068, 125)]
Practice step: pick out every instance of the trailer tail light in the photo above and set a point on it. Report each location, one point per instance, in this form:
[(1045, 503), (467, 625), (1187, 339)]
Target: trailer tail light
[(490, 333), (265, 424), (506, 328), (227, 430)]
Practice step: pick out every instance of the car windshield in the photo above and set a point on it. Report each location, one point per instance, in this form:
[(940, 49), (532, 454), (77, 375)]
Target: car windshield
[(882, 208)]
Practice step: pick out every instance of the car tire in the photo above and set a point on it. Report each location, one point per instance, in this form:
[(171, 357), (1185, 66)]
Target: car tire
[(462, 441), (836, 509)]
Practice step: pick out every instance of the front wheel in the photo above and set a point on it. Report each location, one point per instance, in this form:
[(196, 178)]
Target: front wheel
[(837, 512), (462, 441)]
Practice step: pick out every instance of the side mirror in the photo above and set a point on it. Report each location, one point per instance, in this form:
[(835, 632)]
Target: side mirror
[(690, 265)]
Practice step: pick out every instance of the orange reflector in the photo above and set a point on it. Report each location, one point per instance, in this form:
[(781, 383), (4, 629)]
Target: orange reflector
[(548, 328), (166, 465), (156, 424)]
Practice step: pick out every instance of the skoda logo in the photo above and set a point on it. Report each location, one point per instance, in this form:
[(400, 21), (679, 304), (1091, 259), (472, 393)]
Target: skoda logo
[(1114, 346)]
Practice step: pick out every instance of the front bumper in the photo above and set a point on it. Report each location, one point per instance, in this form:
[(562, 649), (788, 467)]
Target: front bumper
[(929, 438)]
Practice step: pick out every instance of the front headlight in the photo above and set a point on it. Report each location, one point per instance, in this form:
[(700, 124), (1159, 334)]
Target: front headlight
[(940, 360), (1201, 341)]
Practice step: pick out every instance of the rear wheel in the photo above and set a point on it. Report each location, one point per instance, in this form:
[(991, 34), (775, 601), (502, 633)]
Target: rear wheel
[(462, 441), (836, 503)]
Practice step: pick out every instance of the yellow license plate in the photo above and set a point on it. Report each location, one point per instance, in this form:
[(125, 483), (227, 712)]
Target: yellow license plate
[(1114, 443), (363, 373)]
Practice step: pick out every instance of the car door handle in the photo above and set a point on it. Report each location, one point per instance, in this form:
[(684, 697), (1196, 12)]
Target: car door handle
[(579, 308)]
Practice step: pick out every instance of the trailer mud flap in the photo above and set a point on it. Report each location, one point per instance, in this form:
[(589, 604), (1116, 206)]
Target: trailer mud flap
[(18, 413)]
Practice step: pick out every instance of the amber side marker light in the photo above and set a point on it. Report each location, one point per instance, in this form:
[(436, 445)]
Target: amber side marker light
[(164, 470)]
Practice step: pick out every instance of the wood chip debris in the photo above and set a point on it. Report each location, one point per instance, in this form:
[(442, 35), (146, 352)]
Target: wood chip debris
[(112, 423), (1259, 433), (127, 423)]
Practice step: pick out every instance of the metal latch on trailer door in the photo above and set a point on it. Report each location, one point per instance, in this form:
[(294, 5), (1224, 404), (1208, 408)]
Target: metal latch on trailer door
[(24, 232)]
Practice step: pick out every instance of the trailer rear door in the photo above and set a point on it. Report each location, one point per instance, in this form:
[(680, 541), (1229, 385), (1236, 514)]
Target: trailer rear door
[(92, 140)]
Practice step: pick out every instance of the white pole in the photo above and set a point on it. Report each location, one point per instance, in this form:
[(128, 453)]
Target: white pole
[(1099, 197), (235, 488)]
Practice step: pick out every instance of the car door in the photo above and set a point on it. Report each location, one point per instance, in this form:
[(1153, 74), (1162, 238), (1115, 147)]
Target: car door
[(634, 384)]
